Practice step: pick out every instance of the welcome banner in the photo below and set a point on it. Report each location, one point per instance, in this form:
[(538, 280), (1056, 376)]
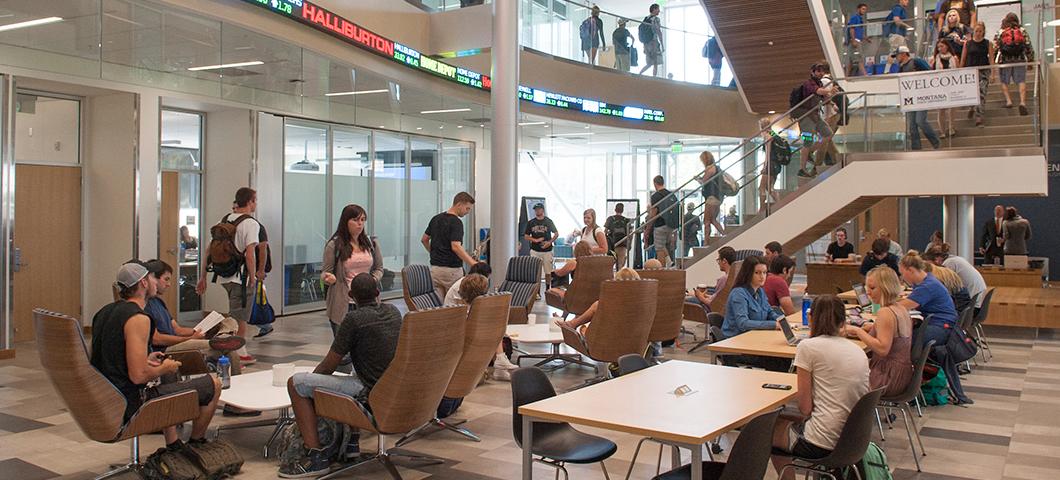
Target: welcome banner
[(939, 89)]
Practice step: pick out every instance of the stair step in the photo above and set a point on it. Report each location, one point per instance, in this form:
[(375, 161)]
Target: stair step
[(990, 140), (960, 119), (972, 131)]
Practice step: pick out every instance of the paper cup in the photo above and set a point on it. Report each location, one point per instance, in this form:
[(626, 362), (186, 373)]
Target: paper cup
[(531, 318), (280, 373)]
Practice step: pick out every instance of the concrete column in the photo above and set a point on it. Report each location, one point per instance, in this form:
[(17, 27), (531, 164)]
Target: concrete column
[(965, 246), (148, 189), (949, 220), (504, 137)]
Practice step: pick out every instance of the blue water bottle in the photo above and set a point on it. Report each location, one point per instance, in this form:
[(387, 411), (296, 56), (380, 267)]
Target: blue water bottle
[(224, 371), (806, 302)]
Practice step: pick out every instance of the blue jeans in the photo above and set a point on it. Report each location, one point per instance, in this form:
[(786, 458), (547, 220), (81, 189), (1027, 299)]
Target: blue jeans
[(914, 123), (940, 355)]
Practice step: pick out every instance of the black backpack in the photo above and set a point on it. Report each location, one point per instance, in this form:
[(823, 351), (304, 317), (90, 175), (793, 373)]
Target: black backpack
[(780, 151), (617, 229), (794, 99), (671, 217), (645, 32)]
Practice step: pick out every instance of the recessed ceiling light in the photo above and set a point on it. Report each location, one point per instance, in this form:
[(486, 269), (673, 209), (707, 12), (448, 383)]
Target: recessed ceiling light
[(448, 110), (419, 128), (772, 112), (571, 134), (527, 124), (382, 126), (30, 23), (361, 92), (482, 126), (459, 126), (609, 143), (226, 65)]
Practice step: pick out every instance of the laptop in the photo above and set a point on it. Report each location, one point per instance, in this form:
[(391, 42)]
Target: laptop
[(863, 296), (792, 338)]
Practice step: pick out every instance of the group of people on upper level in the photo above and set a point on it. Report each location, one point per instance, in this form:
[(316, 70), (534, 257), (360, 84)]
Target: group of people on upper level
[(649, 33)]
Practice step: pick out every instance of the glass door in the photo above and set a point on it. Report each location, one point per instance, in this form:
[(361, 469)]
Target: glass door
[(305, 211), (390, 202), (423, 193), (181, 232)]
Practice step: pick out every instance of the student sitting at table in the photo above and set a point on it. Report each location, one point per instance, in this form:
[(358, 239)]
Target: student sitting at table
[(563, 275), (781, 269), (369, 334), (703, 296), (930, 297), (833, 374), (840, 251), (748, 309), (889, 337), (625, 273), (879, 255), (954, 285)]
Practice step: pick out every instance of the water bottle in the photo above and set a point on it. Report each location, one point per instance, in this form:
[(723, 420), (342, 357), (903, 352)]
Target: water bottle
[(224, 370), (806, 302)]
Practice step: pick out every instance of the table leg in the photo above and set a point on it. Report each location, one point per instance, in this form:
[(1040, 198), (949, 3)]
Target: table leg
[(697, 461), (283, 420), (528, 438)]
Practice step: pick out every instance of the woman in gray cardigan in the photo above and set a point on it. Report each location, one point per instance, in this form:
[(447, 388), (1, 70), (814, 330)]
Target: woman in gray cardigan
[(1016, 230), (348, 253)]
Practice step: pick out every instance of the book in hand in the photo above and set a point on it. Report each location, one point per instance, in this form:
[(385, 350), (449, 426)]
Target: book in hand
[(212, 320)]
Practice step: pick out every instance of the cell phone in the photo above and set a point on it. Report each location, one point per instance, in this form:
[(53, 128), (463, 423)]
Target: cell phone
[(776, 386)]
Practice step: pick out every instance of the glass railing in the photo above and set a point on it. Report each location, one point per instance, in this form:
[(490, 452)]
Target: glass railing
[(561, 28), (866, 49), (444, 5)]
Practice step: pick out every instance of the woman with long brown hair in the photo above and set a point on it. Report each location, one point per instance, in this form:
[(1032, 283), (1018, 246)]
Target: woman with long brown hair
[(349, 252), (711, 181)]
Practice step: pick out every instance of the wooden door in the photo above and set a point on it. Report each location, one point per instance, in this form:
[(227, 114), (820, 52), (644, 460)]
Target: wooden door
[(48, 239), (167, 238)]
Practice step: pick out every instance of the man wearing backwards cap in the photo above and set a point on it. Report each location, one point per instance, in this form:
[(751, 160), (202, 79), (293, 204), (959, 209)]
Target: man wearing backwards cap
[(541, 233), (915, 121), (121, 333)]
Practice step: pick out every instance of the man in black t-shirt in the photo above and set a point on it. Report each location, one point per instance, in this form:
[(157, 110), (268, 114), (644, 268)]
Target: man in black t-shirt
[(541, 233), (444, 239), (840, 249), (617, 228), (664, 226), (121, 334), (369, 334)]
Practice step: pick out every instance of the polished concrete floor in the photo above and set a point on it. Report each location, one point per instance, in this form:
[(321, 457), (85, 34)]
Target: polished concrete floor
[(1011, 432)]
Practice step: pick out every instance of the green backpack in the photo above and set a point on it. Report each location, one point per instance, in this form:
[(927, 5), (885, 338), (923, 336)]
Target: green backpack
[(936, 390), (873, 466)]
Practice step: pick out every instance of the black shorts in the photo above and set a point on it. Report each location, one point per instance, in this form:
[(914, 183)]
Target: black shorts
[(802, 448), (202, 385)]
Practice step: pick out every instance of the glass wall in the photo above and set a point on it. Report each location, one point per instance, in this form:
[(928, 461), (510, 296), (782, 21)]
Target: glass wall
[(181, 153), (395, 177)]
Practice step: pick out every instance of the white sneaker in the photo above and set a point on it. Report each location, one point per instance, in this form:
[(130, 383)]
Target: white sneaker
[(501, 362), (502, 375)]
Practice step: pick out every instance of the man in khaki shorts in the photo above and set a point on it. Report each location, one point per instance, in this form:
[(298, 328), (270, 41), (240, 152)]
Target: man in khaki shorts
[(542, 233), (444, 239)]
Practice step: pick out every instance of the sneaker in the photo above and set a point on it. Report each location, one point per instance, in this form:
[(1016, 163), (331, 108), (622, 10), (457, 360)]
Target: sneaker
[(230, 411), (353, 447), (247, 360), (1023, 110), (502, 375), (503, 363), (313, 464), (227, 343), (979, 122), (267, 329), (805, 174)]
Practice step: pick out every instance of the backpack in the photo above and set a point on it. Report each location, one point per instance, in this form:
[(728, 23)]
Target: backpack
[(645, 32), (584, 29), (617, 229), (634, 57), (959, 346), (672, 217), (936, 390), (794, 99), (217, 459), (223, 258), (1012, 41), (167, 464), (780, 152), (333, 440), (921, 65), (873, 466), (729, 187)]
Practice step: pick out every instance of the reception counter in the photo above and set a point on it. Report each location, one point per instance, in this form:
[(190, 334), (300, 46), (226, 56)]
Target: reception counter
[(822, 278), (1011, 277)]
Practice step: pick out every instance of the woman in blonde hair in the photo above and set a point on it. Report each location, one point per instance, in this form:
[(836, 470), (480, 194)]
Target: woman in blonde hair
[(592, 233), (931, 298), (625, 273), (711, 181), (562, 275), (771, 170), (953, 284), (890, 336)]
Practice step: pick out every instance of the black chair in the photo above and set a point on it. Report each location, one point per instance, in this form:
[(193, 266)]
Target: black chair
[(901, 402), (852, 444), (748, 459), (631, 363), (977, 326), (555, 444)]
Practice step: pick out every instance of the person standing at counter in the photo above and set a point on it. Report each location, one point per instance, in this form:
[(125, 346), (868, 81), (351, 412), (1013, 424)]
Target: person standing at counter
[(992, 243), (840, 250), (1016, 230)]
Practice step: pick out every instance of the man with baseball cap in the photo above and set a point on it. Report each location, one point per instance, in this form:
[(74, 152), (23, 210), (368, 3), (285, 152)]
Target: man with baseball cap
[(915, 122), (541, 233), (121, 333)]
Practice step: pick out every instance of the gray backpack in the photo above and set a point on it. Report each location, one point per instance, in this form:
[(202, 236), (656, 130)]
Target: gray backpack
[(332, 439)]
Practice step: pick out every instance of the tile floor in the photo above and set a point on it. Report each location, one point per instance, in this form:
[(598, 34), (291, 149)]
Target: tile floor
[(1011, 432)]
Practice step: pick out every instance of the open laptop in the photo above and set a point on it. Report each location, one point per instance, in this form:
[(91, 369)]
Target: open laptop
[(792, 338), (863, 296)]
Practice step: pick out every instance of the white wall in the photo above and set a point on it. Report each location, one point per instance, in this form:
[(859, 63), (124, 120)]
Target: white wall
[(935, 175), (49, 134), (108, 193), (148, 167)]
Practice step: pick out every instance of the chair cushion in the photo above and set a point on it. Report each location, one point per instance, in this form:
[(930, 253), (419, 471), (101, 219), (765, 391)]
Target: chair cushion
[(418, 278), (426, 301), (560, 441), (554, 297), (711, 470), (523, 270), (521, 292)]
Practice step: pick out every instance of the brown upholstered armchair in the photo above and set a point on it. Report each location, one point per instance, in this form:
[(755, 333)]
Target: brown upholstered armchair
[(97, 407), (722, 296), (584, 289), (669, 310), (430, 345)]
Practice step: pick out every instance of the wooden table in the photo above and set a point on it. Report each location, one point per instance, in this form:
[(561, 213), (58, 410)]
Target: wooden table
[(642, 403), (764, 343), (1025, 307), (1011, 277), (822, 278)]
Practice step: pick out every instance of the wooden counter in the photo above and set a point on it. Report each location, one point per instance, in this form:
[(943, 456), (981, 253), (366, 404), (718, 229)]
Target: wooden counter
[(823, 278), (1011, 277), (1025, 307)]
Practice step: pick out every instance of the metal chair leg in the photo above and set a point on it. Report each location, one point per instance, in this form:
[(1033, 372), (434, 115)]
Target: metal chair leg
[(916, 432), (909, 434), (604, 468), (916, 399), (390, 468), (879, 423)]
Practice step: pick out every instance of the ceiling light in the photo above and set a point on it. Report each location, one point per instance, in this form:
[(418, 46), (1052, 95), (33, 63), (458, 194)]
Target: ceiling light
[(226, 65), (571, 134), (382, 126), (527, 124), (30, 23), (609, 143), (459, 126), (361, 92), (1053, 23), (482, 126), (772, 112), (419, 128), (448, 110)]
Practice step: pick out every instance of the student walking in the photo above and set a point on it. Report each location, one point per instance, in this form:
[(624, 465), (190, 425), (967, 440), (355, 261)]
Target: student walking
[(444, 240)]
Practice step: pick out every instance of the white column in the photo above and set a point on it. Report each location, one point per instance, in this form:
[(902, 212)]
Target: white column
[(949, 220), (7, 207), (504, 136), (965, 246), (148, 186)]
